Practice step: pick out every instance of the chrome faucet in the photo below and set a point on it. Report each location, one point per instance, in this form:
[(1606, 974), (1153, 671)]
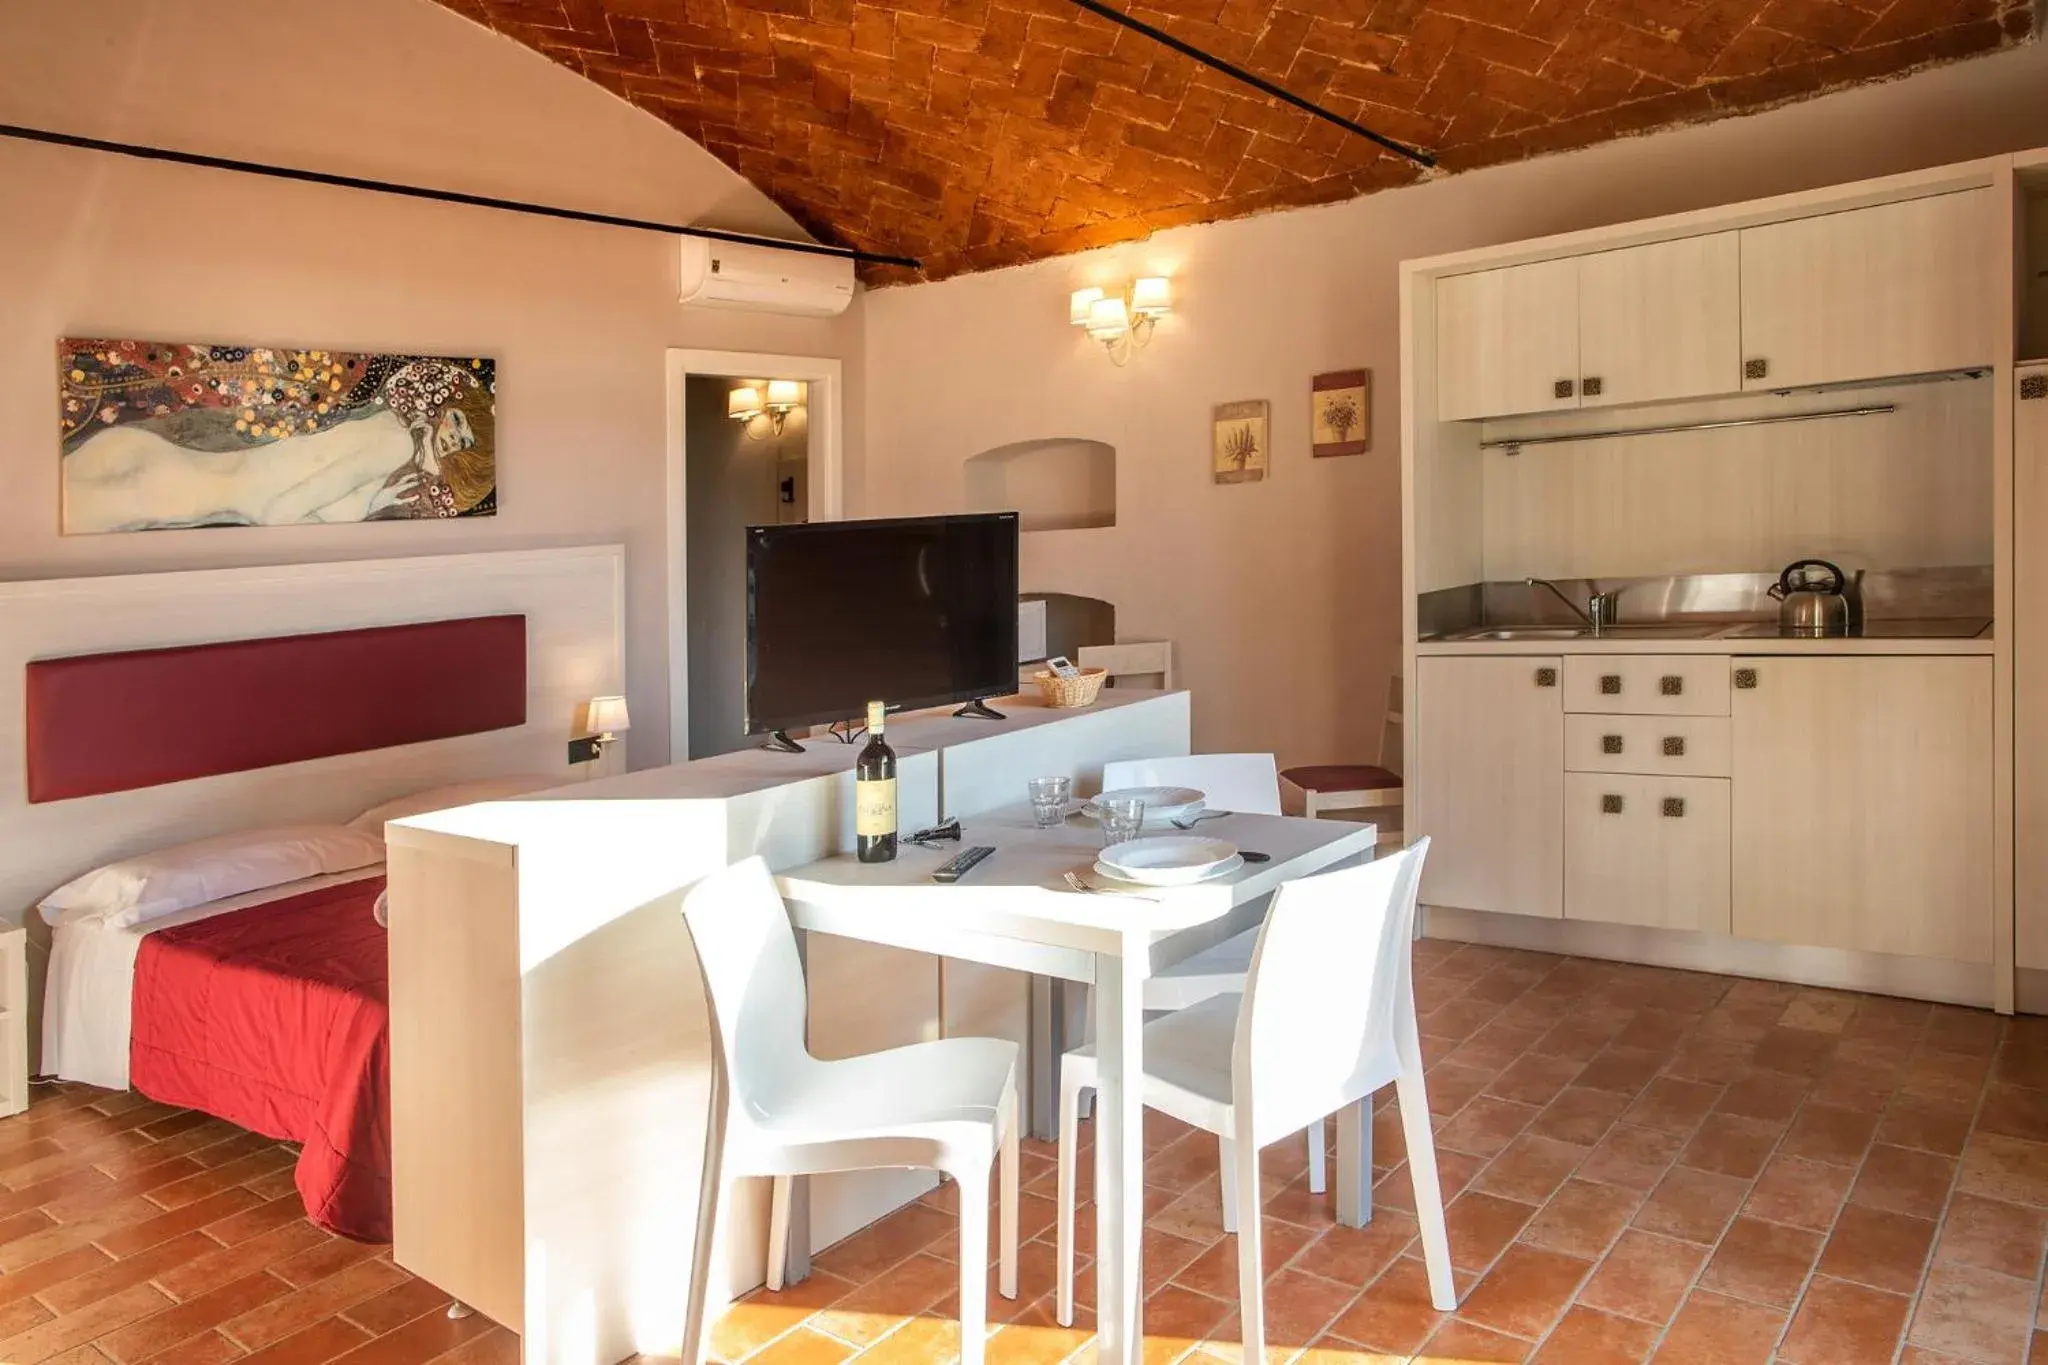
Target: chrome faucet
[(1598, 613)]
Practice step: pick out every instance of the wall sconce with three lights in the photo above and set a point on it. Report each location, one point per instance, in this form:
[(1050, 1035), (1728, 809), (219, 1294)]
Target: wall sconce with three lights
[(745, 403), (1123, 324)]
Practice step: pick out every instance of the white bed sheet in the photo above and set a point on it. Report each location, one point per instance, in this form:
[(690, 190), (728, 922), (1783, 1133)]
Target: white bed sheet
[(89, 995)]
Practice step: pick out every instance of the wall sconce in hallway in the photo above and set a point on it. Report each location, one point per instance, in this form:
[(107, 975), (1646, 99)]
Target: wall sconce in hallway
[(745, 403), (1122, 323)]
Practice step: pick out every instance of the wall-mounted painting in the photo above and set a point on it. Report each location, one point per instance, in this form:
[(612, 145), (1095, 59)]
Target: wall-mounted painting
[(1238, 441), (164, 435), (1340, 413)]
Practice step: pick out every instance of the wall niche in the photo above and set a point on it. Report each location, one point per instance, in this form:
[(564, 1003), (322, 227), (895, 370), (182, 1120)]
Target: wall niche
[(1062, 483)]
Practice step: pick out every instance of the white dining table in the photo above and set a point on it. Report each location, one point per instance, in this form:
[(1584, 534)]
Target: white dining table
[(1015, 909)]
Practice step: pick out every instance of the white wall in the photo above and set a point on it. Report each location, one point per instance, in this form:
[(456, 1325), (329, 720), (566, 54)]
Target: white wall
[(1283, 596), (577, 316)]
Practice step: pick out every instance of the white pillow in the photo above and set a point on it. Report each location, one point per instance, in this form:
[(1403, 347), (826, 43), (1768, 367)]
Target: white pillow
[(152, 885), (448, 798)]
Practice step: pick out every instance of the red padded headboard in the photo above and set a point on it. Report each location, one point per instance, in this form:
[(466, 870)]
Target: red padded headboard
[(114, 722)]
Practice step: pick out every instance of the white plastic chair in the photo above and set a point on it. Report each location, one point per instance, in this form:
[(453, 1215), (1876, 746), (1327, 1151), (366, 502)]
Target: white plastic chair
[(1250, 785), (1327, 1017), (949, 1105)]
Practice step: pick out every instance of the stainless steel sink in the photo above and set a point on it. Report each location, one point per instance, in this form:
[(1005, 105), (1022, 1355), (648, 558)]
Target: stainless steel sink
[(1647, 630), (1519, 633)]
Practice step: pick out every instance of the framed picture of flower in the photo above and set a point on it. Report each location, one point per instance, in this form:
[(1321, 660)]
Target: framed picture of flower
[(1239, 441), (158, 436), (1340, 413)]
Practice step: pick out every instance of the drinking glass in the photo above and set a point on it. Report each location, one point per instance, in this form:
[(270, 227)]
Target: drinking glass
[(1049, 796), (1121, 819)]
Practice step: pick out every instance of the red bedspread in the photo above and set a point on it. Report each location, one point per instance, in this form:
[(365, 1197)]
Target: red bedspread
[(275, 1018)]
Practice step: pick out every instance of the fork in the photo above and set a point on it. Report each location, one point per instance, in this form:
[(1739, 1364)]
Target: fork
[(1074, 880)]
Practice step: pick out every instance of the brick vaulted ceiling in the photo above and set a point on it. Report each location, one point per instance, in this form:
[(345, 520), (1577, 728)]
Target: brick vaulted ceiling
[(980, 133)]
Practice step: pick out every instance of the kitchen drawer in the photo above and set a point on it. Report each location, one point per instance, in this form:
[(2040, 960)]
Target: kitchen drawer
[(1646, 684), (1663, 746), (1650, 851)]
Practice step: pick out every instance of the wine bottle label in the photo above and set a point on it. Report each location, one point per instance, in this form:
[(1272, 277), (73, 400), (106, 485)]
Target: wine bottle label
[(874, 807)]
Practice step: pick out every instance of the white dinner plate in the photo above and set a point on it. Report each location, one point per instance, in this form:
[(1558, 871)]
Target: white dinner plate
[(1161, 803), (1118, 879), (1166, 861)]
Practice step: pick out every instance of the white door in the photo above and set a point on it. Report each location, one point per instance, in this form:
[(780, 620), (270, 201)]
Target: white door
[(1489, 783), (1660, 322), (2030, 665), (1507, 341), (1896, 289)]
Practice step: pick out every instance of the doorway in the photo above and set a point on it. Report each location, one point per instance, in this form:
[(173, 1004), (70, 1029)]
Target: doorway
[(753, 441)]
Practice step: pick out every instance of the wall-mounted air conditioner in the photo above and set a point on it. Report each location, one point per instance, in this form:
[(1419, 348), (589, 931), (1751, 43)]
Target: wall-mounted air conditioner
[(764, 279)]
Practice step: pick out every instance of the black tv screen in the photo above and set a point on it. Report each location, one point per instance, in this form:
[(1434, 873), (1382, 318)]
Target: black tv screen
[(916, 611)]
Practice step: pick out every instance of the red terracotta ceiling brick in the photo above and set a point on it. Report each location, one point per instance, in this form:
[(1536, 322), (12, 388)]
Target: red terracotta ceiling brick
[(980, 133)]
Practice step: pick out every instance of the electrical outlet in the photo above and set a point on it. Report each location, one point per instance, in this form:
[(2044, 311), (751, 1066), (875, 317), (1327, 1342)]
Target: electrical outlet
[(585, 750)]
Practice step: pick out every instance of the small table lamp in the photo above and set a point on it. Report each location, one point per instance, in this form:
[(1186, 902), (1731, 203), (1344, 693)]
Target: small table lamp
[(607, 719)]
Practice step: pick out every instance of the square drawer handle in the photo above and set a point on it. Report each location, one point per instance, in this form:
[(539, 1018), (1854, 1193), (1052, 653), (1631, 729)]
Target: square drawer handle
[(1674, 746), (1610, 804), (1610, 744), (1674, 807), (1610, 684), (1672, 685), (2034, 387), (1563, 388), (1745, 679), (1546, 677)]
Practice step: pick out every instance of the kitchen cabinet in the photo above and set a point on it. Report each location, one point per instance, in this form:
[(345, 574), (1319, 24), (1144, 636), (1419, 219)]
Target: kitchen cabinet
[(2030, 667), (1490, 736), (1863, 804), (1651, 851), (1897, 289), (1661, 322), (1656, 746), (1507, 341), (1646, 684)]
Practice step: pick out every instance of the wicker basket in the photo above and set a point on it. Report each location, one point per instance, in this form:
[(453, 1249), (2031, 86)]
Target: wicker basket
[(1079, 690)]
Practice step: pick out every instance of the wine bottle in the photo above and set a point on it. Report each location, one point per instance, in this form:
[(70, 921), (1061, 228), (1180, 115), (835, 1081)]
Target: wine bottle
[(874, 795)]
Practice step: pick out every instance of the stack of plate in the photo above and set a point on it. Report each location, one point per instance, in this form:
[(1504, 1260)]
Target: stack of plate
[(1169, 861), (1162, 804)]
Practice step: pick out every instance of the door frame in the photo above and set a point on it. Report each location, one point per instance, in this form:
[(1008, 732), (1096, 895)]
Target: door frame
[(824, 454)]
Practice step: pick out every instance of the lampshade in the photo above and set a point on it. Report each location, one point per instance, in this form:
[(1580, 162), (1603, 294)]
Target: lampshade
[(1151, 295), (1079, 304), (1107, 319), (743, 403), (608, 716), (784, 393)]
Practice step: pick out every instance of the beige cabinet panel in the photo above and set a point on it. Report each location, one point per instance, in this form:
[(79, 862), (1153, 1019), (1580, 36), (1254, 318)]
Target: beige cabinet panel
[(1647, 684), (1507, 341), (1488, 783), (1863, 797), (1651, 851), (1661, 321), (1660, 746), (1904, 288), (2030, 667)]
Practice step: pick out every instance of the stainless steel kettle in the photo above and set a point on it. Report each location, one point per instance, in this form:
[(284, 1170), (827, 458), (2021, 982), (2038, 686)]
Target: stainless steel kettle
[(1813, 599)]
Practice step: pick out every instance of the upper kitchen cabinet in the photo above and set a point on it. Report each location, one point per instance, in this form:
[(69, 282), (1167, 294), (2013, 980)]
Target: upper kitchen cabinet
[(1507, 341), (1661, 322), (1897, 289)]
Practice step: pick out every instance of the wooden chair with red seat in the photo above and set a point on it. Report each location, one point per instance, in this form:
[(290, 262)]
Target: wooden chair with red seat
[(1357, 786)]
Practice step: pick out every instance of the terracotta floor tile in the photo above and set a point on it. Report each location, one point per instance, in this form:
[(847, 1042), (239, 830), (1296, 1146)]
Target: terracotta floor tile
[(1214, 1271), (1485, 1126), (1590, 1337), (1531, 1169), (302, 1308), (1904, 1180), (1878, 1248), (208, 1348), (1715, 1330), (1732, 1145), (1794, 1051), (1534, 1079), (1624, 1070), (1467, 1343), (1455, 1171), (1583, 1218), (1827, 1133), (1674, 1105), (921, 1341), (1644, 1277), (1579, 1115), (1762, 1262), (416, 1298), (188, 1217), (112, 1277), (910, 1287), (323, 1261), (2007, 1168), (880, 1245), (1820, 1011), (87, 1324), (1394, 1313), (1526, 1291), (1633, 1158), (202, 1313), (1716, 1061), (1356, 1255), (1692, 1205), (1975, 1314), (244, 1258), (1801, 1192), (1929, 1125), (1841, 1322), (2012, 1111), (32, 1279), (1481, 1227), (1992, 1235), (1451, 1087), (1176, 1318)]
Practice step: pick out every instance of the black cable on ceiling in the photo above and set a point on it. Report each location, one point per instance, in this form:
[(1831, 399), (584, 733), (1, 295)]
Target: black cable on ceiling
[(481, 201), (1256, 82)]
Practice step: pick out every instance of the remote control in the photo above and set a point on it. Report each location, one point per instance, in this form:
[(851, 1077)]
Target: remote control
[(957, 867)]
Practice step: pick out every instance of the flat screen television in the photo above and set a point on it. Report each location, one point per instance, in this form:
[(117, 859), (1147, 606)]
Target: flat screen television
[(913, 611)]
